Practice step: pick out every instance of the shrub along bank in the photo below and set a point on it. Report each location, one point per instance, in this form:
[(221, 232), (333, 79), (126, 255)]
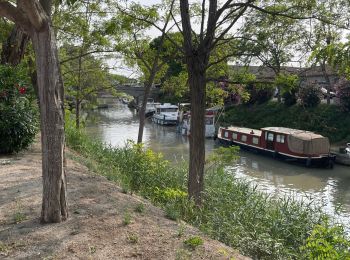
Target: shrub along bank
[(19, 119), (233, 211), (327, 120)]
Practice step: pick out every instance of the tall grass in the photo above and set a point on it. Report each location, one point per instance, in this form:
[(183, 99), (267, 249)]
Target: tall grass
[(233, 211)]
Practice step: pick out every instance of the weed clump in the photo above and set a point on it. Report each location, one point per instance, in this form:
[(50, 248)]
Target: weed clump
[(193, 242), (126, 219), (140, 208), (132, 238)]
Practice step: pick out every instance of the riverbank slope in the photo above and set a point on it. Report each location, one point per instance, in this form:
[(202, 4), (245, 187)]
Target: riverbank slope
[(104, 223)]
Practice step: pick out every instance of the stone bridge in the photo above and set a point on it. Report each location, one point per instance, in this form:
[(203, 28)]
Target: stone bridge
[(138, 91)]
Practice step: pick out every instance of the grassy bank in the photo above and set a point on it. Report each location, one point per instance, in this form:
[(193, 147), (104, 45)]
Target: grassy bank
[(233, 211), (324, 119)]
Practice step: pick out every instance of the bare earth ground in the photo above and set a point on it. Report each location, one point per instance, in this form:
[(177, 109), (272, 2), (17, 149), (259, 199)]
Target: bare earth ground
[(95, 228)]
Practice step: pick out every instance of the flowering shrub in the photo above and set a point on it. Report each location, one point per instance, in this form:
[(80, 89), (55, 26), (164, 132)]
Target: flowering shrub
[(310, 95), (18, 111), (343, 93)]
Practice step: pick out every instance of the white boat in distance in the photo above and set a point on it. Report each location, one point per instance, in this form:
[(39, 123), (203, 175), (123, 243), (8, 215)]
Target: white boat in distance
[(166, 114), (211, 115), (150, 107)]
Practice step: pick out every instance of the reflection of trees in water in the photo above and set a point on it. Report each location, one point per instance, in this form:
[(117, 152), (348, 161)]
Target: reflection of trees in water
[(112, 115), (282, 174), (329, 185), (342, 193)]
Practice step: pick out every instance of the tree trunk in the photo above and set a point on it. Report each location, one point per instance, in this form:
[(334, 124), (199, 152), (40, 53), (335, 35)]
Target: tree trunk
[(14, 47), (197, 82), (279, 98), (328, 82), (77, 97), (142, 113), (54, 204), (77, 112)]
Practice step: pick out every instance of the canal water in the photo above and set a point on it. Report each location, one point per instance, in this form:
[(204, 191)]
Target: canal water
[(327, 187)]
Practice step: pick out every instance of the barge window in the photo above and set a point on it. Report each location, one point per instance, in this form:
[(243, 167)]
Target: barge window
[(280, 139), (234, 136), (169, 110), (270, 137), (226, 134), (255, 140), (244, 138), (209, 120)]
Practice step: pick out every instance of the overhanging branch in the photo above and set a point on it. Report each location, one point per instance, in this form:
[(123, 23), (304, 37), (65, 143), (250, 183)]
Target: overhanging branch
[(12, 13), (34, 12)]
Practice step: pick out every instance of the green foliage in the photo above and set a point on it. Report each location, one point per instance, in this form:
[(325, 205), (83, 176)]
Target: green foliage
[(4, 249), (323, 119), (126, 218), (181, 229), (193, 242), (232, 211), (327, 242), (176, 87), (290, 98), (343, 93), (19, 217), (132, 238), (18, 111), (272, 39), (259, 93), (215, 95), (310, 95), (223, 155), (172, 212), (140, 208), (288, 85)]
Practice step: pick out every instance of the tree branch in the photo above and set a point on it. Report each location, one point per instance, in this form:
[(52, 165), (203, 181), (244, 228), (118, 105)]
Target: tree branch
[(34, 12), (84, 54), (202, 20), (240, 13), (186, 25), (12, 13), (123, 11)]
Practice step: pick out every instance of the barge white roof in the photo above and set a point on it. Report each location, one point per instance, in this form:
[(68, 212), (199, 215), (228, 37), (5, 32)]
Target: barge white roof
[(301, 134), (166, 105), (244, 130)]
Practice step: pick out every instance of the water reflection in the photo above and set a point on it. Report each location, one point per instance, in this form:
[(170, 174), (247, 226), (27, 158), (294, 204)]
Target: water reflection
[(329, 188)]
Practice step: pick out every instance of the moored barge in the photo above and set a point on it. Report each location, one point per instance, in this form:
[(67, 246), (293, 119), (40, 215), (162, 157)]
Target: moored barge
[(288, 144), (166, 114)]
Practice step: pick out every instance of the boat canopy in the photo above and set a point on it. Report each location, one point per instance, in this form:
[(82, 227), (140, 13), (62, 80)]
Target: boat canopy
[(308, 143), (303, 142)]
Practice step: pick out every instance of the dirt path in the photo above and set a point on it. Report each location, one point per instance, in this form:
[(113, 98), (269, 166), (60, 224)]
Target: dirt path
[(97, 227)]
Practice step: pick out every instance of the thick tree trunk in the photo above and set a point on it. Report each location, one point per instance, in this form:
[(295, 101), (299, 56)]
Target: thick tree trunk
[(54, 204), (14, 47), (197, 82)]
